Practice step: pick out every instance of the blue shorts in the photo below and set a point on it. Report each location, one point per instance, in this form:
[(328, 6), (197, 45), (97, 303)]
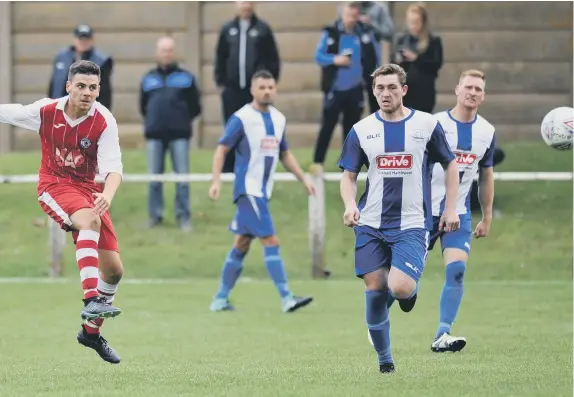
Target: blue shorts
[(461, 238), (405, 250), (252, 217)]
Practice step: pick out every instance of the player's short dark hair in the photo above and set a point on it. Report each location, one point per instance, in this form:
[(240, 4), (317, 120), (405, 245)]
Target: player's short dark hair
[(83, 67), (262, 74), (388, 70)]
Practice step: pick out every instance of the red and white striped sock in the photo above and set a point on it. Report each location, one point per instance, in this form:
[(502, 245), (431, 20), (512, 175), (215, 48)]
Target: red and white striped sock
[(108, 291), (92, 327), (87, 257)]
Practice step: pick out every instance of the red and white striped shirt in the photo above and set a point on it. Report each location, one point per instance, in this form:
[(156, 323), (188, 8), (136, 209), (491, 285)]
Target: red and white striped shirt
[(72, 150)]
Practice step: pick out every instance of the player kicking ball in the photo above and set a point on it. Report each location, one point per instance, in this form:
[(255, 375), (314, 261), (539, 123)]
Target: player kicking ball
[(257, 134), (472, 140), (79, 138), (398, 146)]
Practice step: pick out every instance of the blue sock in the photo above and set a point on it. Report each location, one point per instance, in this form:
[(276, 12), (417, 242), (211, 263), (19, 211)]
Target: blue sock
[(276, 270), (451, 295), (379, 324), (230, 273)]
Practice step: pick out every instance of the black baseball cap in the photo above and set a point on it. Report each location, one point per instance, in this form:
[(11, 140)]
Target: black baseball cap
[(83, 31)]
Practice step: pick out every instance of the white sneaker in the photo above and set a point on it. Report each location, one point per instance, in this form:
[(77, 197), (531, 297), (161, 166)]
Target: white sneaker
[(448, 343)]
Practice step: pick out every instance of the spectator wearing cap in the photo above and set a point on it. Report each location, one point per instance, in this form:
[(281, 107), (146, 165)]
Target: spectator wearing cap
[(82, 49)]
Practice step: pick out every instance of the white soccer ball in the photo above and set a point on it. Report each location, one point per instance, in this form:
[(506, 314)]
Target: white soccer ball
[(556, 128)]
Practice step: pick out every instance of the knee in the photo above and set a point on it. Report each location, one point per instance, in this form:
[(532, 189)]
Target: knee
[(374, 285), (89, 221), (242, 244), (377, 280), (402, 289), (271, 241), (455, 273), (113, 271)]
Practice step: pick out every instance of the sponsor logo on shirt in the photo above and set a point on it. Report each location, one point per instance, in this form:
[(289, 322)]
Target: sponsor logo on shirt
[(465, 160), (395, 164), (269, 143)]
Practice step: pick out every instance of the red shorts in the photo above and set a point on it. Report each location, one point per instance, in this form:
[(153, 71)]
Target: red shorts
[(61, 200)]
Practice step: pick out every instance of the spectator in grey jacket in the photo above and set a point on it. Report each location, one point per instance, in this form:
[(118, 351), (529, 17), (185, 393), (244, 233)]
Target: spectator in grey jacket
[(377, 15)]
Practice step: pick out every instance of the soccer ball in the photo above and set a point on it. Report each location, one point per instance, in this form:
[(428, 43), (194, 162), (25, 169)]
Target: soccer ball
[(556, 128)]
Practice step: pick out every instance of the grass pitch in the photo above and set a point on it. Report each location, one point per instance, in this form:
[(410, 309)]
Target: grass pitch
[(519, 343), (516, 312)]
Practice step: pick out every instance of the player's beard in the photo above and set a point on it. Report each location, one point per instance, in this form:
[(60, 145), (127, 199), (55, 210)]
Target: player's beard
[(265, 102)]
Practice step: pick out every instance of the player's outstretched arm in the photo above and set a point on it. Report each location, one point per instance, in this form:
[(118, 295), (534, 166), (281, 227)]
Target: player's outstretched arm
[(232, 136), (352, 160), (451, 184), (292, 165), (486, 199), (23, 116), (439, 152), (348, 188), (486, 190), (216, 167)]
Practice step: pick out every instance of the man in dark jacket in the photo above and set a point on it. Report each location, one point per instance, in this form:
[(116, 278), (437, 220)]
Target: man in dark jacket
[(169, 101), (347, 53), (82, 49), (246, 45)]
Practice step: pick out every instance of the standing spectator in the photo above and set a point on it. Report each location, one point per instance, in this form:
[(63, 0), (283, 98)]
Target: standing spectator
[(246, 45), (82, 49), (347, 53), (169, 101), (420, 55), (376, 14)]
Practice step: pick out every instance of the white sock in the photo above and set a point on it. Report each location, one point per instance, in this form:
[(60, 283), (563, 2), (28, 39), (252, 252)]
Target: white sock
[(107, 290)]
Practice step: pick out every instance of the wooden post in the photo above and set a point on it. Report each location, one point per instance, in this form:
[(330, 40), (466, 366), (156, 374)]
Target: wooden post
[(317, 225), (6, 133), (57, 242)]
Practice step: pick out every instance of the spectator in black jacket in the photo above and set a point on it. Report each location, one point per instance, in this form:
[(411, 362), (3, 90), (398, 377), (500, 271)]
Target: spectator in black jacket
[(246, 45), (420, 55), (82, 49), (169, 101)]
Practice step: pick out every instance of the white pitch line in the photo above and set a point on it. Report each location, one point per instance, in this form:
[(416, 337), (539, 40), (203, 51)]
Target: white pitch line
[(169, 281)]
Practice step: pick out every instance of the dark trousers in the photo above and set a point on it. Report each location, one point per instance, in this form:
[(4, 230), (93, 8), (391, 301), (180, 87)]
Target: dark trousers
[(350, 104), (474, 203), (232, 99), (421, 97)]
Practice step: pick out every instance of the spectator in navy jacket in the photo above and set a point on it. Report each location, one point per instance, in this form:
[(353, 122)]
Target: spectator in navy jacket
[(246, 45), (169, 101), (82, 49)]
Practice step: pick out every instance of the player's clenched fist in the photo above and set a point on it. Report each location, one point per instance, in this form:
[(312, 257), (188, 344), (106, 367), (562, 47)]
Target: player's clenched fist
[(101, 203), (214, 190), (482, 229), (351, 217)]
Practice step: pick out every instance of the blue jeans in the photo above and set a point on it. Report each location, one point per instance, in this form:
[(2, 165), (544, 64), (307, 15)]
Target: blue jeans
[(179, 153)]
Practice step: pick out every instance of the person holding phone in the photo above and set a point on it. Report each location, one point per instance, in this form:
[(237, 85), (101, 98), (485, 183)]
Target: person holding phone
[(420, 54), (347, 53)]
